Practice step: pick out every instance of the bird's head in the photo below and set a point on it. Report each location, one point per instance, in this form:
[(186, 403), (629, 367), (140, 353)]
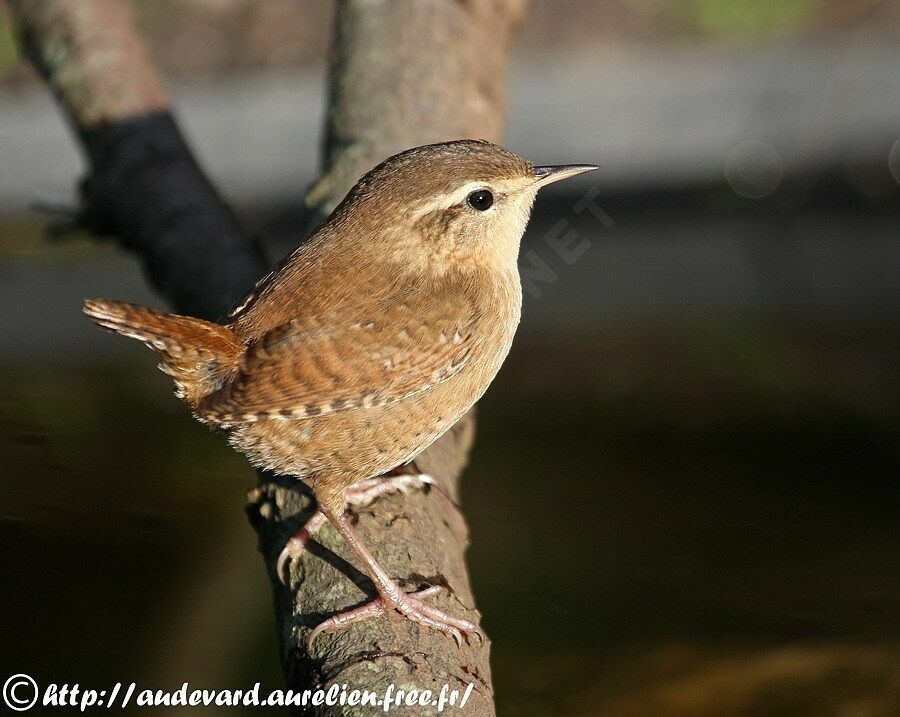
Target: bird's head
[(462, 204)]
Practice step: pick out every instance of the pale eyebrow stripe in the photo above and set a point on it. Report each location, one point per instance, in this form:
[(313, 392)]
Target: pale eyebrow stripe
[(446, 201)]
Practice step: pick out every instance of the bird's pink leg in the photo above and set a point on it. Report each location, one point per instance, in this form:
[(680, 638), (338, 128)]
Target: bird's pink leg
[(392, 597), (358, 496)]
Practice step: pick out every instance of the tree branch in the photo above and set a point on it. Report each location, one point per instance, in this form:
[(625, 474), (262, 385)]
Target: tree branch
[(403, 73), (144, 186)]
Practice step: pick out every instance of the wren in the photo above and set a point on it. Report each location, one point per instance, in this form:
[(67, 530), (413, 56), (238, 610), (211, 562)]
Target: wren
[(366, 343)]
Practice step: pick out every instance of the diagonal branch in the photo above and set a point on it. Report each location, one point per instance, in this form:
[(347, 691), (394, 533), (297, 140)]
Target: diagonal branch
[(144, 186)]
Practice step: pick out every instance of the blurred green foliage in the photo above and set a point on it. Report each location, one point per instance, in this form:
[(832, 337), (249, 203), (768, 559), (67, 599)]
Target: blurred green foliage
[(747, 17), (9, 52)]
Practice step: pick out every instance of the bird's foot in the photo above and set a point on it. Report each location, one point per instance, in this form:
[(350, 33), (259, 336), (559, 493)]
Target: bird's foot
[(358, 496), (409, 605), (296, 544), (362, 494)]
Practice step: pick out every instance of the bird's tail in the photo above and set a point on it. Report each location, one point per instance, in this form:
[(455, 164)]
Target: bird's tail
[(198, 354)]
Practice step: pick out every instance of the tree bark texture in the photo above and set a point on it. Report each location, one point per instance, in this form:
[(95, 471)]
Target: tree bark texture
[(402, 73)]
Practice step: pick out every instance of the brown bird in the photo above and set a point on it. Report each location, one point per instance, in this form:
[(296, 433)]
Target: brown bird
[(368, 342)]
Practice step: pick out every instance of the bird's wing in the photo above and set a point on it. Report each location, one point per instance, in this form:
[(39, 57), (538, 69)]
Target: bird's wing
[(312, 367)]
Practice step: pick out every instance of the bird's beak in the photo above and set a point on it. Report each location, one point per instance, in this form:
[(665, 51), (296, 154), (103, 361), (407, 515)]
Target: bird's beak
[(548, 175)]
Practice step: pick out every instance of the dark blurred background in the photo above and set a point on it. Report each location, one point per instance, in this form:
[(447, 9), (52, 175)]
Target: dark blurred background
[(683, 498)]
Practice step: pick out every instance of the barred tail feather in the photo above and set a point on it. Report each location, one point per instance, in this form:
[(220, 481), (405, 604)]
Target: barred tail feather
[(197, 354)]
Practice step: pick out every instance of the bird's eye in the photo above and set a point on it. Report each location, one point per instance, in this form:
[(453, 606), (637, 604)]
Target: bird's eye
[(480, 199)]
